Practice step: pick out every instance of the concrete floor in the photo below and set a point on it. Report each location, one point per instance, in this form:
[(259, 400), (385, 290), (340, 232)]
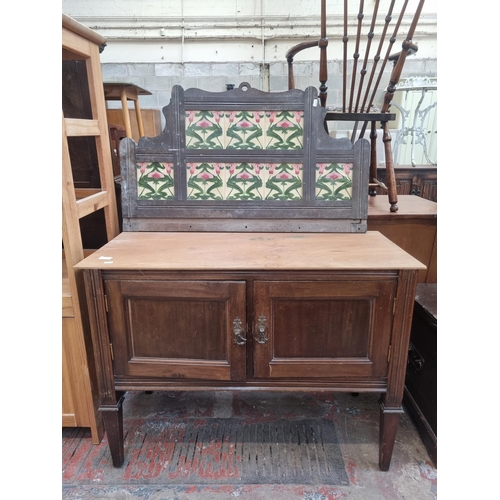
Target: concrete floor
[(356, 418)]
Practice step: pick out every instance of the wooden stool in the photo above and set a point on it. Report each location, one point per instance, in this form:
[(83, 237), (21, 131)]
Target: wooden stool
[(124, 92)]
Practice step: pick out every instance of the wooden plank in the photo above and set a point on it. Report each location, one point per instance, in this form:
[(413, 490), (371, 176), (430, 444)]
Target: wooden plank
[(67, 302), (78, 408), (103, 145), (76, 127), (69, 420), (81, 30), (72, 238), (67, 306), (74, 47), (250, 251), (92, 203), (81, 193)]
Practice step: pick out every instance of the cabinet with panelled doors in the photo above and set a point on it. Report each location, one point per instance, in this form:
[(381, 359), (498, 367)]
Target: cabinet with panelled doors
[(197, 328), (257, 310)]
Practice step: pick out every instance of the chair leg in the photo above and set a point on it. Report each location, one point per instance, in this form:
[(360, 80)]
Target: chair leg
[(373, 159), (389, 166)]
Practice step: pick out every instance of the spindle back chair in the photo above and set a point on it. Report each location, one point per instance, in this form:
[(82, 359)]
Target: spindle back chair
[(370, 37)]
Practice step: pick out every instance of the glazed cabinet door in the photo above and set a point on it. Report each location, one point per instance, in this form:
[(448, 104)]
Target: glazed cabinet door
[(336, 329), (177, 329)]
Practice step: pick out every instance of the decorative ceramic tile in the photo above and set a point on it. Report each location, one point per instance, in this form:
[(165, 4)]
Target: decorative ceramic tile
[(205, 129), (245, 181), (334, 181), (206, 181), (155, 181), (244, 130), (284, 182), (285, 130)]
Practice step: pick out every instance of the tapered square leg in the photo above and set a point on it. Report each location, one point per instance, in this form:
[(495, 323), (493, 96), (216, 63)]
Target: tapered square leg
[(389, 419), (113, 425)]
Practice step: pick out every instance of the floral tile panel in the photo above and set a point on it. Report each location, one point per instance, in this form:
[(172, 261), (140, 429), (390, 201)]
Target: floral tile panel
[(244, 130), (334, 181), (244, 181), (155, 181)]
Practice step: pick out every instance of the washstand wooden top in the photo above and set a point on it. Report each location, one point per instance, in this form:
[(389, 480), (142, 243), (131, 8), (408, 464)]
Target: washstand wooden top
[(205, 251)]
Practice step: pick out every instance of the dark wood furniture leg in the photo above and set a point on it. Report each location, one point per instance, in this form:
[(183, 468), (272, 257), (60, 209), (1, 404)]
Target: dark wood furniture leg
[(113, 425), (323, 63), (391, 402), (391, 177), (373, 159), (389, 418), (111, 401)]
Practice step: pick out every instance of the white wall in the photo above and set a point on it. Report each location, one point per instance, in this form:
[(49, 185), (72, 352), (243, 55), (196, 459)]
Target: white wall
[(180, 31), (210, 44)]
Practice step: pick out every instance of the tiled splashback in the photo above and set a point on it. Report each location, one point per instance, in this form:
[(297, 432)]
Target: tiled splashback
[(244, 181), (244, 130), (244, 160)]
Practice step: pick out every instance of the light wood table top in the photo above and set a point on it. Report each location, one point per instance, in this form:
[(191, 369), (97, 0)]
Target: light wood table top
[(205, 251), (113, 90), (410, 206)]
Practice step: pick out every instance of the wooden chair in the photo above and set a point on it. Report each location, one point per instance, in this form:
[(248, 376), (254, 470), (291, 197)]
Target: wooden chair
[(370, 37)]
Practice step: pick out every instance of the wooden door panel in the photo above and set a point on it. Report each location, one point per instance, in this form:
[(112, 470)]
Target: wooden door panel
[(152, 319), (324, 329), (310, 323), (176, 329)]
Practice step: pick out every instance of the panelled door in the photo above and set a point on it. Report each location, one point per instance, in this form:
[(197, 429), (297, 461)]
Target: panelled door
[(177, 329), (322, 329)]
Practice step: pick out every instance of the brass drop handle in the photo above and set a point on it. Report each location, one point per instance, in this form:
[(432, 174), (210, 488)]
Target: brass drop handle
[(261, 330), (237, 332)]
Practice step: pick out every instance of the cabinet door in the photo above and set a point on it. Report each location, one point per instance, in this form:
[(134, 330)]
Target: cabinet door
[(325, 329), (177, 329)]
